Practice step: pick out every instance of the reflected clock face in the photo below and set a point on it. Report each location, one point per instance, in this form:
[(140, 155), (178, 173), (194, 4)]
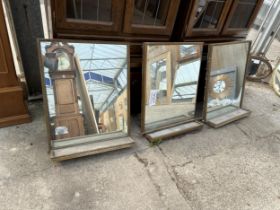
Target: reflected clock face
[(219, 86), (63, 61)]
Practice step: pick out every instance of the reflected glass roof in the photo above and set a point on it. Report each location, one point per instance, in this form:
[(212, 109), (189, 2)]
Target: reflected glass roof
[(105, 72)]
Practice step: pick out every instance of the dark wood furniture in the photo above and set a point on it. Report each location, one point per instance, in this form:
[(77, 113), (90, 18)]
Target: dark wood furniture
[(217, 19), (132, 20), (13, 108), (241, 17), (208, 18), (137, 21)]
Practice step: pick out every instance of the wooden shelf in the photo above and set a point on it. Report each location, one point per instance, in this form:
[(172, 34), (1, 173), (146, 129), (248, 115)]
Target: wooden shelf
[(91, 148)]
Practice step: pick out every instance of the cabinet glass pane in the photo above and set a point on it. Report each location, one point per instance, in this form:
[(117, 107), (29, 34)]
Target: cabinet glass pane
[(150, 12), (208, 13), (94, 10), (242, 13)]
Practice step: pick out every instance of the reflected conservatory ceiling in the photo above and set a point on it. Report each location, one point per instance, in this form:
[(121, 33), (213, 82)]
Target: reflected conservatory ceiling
[(105, 72)]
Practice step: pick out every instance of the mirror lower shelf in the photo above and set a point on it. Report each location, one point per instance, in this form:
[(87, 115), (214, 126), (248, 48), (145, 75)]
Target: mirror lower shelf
[(91, 148), (227, 118), (173, 131)]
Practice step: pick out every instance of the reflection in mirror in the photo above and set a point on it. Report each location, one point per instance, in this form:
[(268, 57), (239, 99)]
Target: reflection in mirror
[(86, 88), (208, 13), (226, 77), (171, 78)]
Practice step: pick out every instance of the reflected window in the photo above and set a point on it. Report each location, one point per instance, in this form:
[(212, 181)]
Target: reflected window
[(185, 84)]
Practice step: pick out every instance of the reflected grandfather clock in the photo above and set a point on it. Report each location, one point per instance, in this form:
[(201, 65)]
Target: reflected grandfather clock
[(68, 120), (13, 108)]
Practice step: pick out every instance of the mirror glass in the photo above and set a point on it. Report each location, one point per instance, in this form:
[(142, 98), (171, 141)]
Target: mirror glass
[(171, 80), (227, 67), (85, 88)]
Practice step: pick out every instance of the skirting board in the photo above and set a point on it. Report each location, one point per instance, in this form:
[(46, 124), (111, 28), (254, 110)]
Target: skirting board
[(90, 148), (174, 131), (228, 118)]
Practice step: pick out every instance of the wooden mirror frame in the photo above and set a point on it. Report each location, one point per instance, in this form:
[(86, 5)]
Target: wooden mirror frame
[(144, 74), (100, 143), (208, 75)]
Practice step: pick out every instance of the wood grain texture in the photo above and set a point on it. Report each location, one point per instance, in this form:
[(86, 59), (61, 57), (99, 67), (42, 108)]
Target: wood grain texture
[(173, 131), (228, 118), (91, 148)]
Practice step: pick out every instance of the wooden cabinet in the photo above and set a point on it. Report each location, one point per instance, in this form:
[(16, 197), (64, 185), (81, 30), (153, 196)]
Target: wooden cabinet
[(133, 20), (84, 16), (207, 17), (13, 108), (241, 16), (217, 19), (150, 17)]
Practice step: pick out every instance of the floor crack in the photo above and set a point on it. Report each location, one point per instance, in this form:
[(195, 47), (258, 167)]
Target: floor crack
[(175, 178), (146, 164)]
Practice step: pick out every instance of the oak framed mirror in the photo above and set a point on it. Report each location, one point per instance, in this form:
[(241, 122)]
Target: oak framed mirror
[(86, 96), (170, 81), (225, 82)]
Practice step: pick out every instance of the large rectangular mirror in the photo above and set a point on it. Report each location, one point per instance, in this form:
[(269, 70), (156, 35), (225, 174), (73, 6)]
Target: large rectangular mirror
[(85, 90), (170, 81), (227, 64)]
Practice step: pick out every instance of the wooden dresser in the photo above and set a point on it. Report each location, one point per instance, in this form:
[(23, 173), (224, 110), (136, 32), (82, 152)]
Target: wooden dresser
[(13, 108)]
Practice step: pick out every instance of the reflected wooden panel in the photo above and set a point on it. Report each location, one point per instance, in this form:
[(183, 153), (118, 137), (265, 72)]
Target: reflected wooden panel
[(86, 93), (170, 86), (227, 63)]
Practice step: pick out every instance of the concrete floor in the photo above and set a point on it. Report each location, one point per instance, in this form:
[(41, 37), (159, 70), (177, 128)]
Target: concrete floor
[(235, 167)]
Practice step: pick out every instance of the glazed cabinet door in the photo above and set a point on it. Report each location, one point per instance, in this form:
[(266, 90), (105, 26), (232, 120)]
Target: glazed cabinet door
[(150, 16), (7, 71), (207, 17), (241, 16), (88, 15)]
